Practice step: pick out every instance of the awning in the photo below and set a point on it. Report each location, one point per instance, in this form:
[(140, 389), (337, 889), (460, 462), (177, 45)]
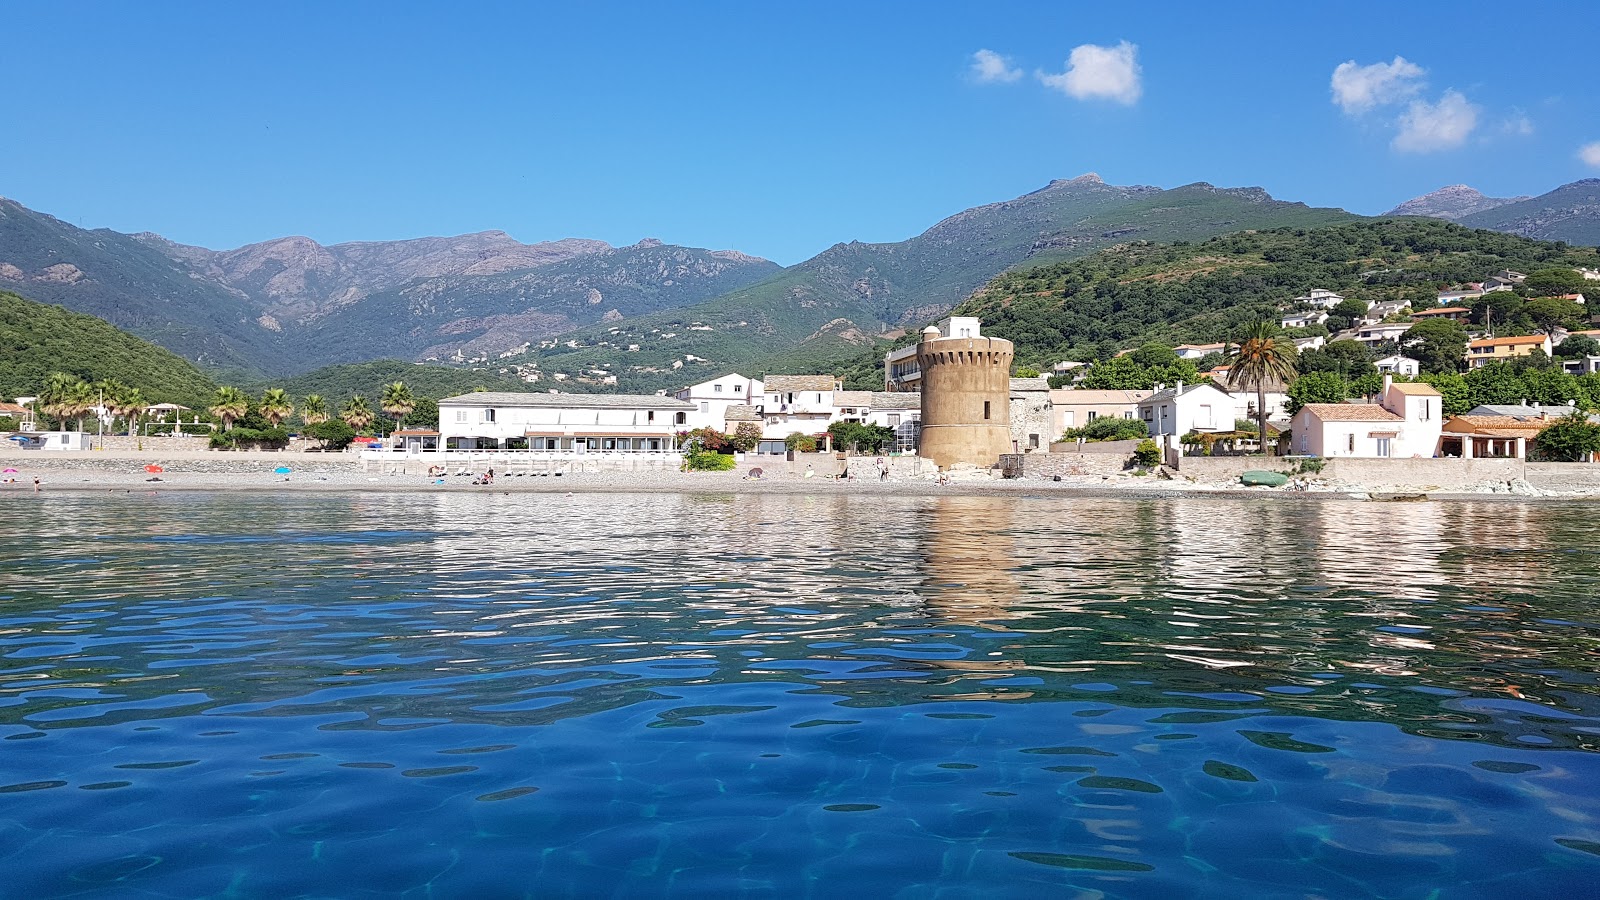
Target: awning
[(1383, 434)]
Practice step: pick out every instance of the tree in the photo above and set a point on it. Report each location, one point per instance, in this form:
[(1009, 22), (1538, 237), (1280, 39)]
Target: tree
[(356, 413), (229, 404), (1109, 428), (314, 409), (1571, 439), (425, 414), (1452, 386), (859, 437), (61, 398), (1348, 359), (1549, 387), (1129, 373), (1550, 313), (333, 435), (397, 401), (1554, 282), (746, 437), (1263, 359), (1347, 313), (276, 406), (1026, 372), (800, 443), (1317, 387), (1495, 383), (1577, 346), (1497, 309), (1436, 344), (129, 403)]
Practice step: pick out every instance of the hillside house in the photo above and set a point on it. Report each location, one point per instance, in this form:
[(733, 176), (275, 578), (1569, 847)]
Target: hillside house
[(1196, 351), (1309, 343), (1319, 297), (1380, 333), (1405, 422), (1483, 351), (1304, 319), (1399, 365), (1453, 313), (1457, 296)]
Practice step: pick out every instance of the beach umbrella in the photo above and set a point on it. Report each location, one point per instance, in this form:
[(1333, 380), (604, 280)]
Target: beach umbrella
[(10, 471), (282, 470), (154, 469), (756, 472)]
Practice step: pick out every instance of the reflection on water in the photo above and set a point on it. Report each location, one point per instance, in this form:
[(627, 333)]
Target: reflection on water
[(778, 695)]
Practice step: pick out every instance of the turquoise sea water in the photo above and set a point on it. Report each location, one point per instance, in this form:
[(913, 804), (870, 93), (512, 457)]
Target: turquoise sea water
[(771, 696)]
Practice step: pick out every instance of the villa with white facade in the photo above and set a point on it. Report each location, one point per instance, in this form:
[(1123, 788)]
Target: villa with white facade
[(578, 423), (713, 398), (1405, 422)]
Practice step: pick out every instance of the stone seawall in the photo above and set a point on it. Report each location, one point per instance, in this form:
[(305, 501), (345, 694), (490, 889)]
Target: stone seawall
[(1407, 474), (1049, 465)]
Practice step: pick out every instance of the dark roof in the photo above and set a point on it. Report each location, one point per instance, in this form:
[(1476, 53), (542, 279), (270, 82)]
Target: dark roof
[(896, 400), (1170, 393), (790, 383), (568, 401)]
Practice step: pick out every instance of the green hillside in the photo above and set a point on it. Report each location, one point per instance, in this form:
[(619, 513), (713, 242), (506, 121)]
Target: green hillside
[(1201, 292), (368, 379), (37, 340), (134, 287), (822, 312), (1569, 213)]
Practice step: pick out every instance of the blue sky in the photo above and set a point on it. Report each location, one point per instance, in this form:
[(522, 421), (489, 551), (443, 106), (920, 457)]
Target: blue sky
[(776, 129)]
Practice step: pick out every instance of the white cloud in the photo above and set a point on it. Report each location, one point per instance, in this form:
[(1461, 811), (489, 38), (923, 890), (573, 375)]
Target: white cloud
[(989, 67), (1518, 124), (1426, 127), (1357, 89), (1590, 154), (1099, 73)]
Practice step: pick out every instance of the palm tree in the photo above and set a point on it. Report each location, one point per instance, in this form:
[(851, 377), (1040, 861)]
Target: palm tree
[(1264, 358), (79, 401), (398, 402), (356, 413), (276, 406), (106, 392), (54, 400), (130, 404), (313, 409), (229, 403)]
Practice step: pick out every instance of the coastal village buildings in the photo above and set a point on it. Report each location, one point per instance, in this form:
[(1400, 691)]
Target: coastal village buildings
[(1399, 365), (1319, 297), (1303, 319), (573, 422), (712, 399), (1486, 350), (1197, 351), (1175, 411), (902, 371), (1032, 420), (1075, 409), (1380, 333), (1405, 422)]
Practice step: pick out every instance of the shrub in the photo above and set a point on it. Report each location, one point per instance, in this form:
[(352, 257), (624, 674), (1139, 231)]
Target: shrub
[(1107, 428), (746, 437), (800, 443), (1572, 439), (1147, 454), (707, 461), (334, 434)]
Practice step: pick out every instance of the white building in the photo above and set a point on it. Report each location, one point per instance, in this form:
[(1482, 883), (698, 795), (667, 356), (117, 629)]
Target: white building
[(1461, 296), (577, 423), (1310, 343), (1377, 334), (797, 403), (1304, 319), (712, 399), (1405, 422), (900, 369), (1197, 351), (1399, 365), (1320, 297), (1178, 410)]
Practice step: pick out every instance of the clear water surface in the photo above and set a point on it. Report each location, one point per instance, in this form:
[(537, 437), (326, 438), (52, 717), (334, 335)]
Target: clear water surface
[(777, 696)]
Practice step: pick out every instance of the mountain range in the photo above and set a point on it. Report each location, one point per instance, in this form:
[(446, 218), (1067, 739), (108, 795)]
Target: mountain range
[(587, 315)]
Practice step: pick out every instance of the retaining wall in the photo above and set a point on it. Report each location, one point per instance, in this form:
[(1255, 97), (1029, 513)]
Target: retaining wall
[(1049, 465), (1408, 474)]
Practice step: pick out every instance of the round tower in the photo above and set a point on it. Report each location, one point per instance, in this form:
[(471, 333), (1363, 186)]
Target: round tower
[(966, 398)]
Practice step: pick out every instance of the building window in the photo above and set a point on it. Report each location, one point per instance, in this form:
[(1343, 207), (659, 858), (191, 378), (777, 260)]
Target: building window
[(716, 389), (705, 407), (1383, 447), (1148, 414), (985, 410), (1094, 415), (738, 389), (1033, 442), (894, 420), (650, 418), (488, 415), (1352, 443), (461, 415), (682, 419)]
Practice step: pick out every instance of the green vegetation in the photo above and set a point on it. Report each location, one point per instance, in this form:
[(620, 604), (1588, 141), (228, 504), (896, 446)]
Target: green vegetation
[(1147, 455), (397, 401), (1568, 213), (858, 437), (1573, 439), (1141, 370), (1438, 345), (1108, 428), (368, 380), (37, 340), (1264, 359), (800, 443), (1209, 291)]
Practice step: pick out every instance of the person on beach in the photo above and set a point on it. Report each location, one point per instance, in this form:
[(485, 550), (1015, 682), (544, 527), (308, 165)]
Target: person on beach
[(36, 484), (809, 473)]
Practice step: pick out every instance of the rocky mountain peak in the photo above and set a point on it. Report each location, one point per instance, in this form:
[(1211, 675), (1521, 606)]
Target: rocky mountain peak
[(1453, 202)]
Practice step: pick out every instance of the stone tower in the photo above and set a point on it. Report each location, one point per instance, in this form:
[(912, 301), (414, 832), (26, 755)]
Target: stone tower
[(966, 394)]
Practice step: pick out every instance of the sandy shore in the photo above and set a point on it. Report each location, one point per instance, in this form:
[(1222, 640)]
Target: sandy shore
[(335, 474)]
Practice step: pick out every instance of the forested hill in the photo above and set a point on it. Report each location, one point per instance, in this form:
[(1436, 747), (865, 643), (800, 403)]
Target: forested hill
[(1204, 291), (37, 340)]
